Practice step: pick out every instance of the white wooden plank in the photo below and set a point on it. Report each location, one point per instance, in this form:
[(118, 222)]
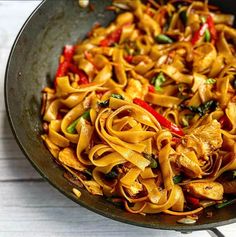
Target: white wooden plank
[(17, 169), (9, 149), (5, 131), (26, 211), (37, 208)]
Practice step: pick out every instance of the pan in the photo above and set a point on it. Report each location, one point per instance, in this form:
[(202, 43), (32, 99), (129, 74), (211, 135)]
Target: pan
[(31, 66)]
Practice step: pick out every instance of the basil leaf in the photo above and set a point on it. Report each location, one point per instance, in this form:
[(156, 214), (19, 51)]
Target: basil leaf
[(177, 178), (203, 108)]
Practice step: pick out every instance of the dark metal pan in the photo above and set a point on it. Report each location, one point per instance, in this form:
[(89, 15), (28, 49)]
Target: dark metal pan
[(32, 65)]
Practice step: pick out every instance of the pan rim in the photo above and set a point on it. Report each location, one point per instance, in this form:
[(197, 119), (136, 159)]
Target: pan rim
[(106, 214)]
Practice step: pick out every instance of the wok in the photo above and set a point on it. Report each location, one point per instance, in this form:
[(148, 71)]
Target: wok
[(31, 66)]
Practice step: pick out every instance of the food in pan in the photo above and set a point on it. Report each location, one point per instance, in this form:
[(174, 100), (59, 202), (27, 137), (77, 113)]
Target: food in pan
[(143, 111)]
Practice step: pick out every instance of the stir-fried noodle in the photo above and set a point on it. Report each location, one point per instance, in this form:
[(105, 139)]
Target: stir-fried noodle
[(143, 111)]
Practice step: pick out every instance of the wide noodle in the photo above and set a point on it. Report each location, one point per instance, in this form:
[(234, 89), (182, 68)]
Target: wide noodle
[(143, 111)]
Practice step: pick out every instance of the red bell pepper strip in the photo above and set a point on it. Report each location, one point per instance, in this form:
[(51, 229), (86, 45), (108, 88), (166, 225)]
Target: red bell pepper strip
[(225, 123), (64, 65), (176, 140), (83, 78), (212, 28), (151, 88), (129, 58), (192, 200), (199, 33), (161, 119), (62, 69), (111, 38), (209, 24), (68, 52)]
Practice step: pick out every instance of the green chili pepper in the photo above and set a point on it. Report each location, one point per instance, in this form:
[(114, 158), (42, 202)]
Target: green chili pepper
[(163, 39), (72, 127), (226, 203), (207, 36), (177, 178)]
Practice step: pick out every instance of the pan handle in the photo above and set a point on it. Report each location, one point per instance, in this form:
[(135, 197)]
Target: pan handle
[(214, 232)]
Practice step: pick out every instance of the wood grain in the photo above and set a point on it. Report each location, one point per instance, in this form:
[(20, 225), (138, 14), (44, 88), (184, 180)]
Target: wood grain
[(28, 205)]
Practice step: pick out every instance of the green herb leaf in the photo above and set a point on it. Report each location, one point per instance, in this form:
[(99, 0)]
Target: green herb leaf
[(210, 81), (203, 108), (234, 83), (163, 39), (177, 178), (117, 96), (104, 103), (153, 160), (111, 175), (158, 81), (153, 163)]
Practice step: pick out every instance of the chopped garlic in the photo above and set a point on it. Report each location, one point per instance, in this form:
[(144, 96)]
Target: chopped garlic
[(83, 3), (76, 192)]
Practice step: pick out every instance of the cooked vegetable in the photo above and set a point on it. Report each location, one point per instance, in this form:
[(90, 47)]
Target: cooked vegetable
[(226, 203), (207, 36), (183, 17), (207, 28), (72, 127), (152, 158), (163, 39), (177, 178), (117, 96), (234, 83), (111, 175), (203, 108), (210, 81), (112, 38), (192, 200), (158, 81), (162, 120)]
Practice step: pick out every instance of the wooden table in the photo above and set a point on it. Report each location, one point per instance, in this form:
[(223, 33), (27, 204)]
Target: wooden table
[(29, 206)]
